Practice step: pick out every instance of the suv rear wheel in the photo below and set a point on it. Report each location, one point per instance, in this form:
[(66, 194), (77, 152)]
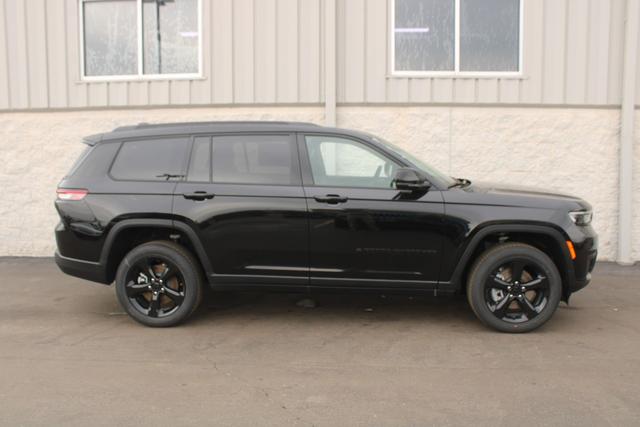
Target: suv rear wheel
[(159, 284), (514, 287)]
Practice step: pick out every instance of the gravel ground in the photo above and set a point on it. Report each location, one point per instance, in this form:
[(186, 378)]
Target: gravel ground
[(69, 356)]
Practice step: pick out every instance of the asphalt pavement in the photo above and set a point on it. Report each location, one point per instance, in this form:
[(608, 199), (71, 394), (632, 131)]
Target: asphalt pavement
[(70, 356)]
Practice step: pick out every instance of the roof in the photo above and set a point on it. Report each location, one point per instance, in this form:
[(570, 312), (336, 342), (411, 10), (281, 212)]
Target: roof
[(167, 129)]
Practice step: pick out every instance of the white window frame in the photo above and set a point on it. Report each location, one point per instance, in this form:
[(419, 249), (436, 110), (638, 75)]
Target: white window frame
[(456, 71), (140, 76)]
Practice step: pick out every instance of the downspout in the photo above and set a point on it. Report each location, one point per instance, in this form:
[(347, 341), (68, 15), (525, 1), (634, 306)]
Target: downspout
[(330, 63), (627, 123)]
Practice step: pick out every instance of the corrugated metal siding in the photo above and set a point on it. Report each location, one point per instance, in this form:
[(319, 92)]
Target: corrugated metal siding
[(572, 55), (271, 51), (254, 51)]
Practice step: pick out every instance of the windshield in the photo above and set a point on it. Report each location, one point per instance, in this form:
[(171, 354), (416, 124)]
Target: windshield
[(429, 170)]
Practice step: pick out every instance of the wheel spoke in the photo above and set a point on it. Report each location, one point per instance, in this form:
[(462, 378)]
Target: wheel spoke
[(176, 297), (154, 306), (165, 272), (539, 283), (501, 307), (497, 283), (516, 271), (135, 289), (527, 308)]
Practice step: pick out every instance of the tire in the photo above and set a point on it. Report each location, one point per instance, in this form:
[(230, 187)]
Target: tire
[(514, 304), (159, 284)]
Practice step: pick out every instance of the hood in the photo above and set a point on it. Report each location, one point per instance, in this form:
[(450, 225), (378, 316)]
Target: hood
[(522, 196)]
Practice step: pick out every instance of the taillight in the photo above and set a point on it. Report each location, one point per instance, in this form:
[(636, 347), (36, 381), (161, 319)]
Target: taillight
[(71, 194)]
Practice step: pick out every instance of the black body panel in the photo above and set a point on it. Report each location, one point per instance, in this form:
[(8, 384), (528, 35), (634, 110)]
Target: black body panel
[(299, 235)]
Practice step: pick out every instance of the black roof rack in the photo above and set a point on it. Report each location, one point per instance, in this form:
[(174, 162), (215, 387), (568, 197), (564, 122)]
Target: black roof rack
[(211, 123)]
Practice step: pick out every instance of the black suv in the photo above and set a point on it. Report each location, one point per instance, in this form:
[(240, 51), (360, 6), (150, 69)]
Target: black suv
[(163, 210)]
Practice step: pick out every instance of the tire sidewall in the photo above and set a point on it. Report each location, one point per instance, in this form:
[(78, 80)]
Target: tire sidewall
[(500, 256), (192, 283)]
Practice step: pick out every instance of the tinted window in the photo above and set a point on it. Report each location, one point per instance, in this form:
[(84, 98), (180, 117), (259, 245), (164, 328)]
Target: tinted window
[(149, 160), (200, 164), (339, 162), (265, 159), (97, 161)]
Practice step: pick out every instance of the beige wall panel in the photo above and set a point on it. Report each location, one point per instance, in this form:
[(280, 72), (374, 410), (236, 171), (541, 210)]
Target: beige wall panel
[(221, 53), (555, 13), (576, 54), (56, 54), (265, 51), (36, 24), (599, 40), (16, 45), (354, 51), (243, 54), (533, 51), (4, 70), (287, 48), (310, 69)]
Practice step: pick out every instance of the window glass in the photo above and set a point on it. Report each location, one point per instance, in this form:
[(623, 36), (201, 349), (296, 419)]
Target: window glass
[(110, 40), (338, 162), (199, 166), (248, 159), (489, 35), (425, 35), (150, 160), (170, 36)]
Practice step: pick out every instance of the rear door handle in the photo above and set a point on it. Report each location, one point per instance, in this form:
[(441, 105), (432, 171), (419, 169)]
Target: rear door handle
[(198, 195), (332, 199)]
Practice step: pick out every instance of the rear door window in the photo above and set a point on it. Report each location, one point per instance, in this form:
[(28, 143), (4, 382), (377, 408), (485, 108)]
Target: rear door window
[(150, 160), (255, 159)]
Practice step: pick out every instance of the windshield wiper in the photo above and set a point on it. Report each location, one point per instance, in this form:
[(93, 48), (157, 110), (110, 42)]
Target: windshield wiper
[(460, 182), (169, 176)]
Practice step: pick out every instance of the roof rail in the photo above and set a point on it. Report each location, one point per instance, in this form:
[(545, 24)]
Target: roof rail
[(211, 123)]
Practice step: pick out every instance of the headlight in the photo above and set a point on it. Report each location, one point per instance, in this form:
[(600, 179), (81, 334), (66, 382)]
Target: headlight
[(581, 217)]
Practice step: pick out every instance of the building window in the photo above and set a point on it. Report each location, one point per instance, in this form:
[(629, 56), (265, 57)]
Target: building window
[(456, 37), (140, 39)]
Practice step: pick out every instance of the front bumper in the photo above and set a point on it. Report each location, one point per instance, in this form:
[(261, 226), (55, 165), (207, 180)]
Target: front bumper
[(586, 256), (88, 270)]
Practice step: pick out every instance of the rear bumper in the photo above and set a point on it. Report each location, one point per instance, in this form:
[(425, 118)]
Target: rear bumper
[(88, 270)]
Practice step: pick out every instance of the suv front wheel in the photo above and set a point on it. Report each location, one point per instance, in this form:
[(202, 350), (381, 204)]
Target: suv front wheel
[(514, 287), (159, 284)]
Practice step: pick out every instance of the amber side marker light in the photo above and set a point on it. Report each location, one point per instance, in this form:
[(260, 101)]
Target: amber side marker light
[(71, 194), (572, 250)]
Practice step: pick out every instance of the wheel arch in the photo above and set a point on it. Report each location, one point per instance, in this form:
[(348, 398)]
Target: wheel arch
[(126, 234), (545, 237)]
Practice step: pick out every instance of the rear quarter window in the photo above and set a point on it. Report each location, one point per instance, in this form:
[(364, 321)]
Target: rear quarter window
[(94, 161), (150, 160)]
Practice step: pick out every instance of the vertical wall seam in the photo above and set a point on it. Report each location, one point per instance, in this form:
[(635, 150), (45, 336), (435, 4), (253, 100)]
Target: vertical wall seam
[(565, 89), (6, 52), (587, 55), (26, 52), (66, 57), (46, 53)]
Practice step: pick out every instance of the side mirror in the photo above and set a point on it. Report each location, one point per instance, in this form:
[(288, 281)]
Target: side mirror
[(407, 179)]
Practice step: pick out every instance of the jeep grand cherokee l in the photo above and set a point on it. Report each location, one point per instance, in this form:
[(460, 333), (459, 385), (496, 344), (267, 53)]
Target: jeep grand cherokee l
[(164, 210)]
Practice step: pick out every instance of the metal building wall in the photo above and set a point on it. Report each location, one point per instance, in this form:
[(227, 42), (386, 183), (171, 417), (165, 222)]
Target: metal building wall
[(272, 51)]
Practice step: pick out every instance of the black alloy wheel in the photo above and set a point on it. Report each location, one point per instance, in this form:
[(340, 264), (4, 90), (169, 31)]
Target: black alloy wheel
[(159, 283), (155, 287), (514, 287), (517, 291)]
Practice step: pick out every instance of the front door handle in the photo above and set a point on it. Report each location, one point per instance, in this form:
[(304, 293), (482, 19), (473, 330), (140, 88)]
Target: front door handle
[(332, 199), (198, 195)]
